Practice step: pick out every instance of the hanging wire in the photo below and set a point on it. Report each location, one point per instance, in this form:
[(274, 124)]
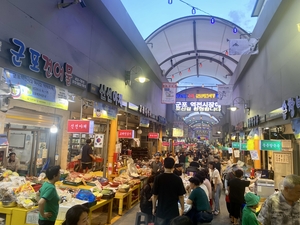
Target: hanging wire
[(200, 63)]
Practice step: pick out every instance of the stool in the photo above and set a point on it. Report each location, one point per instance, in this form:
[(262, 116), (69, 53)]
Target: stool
[(138, 218)]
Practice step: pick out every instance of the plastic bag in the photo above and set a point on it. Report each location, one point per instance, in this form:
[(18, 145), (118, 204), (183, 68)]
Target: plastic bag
[(86, 195)]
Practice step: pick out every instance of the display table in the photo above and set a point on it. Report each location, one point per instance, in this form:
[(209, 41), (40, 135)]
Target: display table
[(6, 213), (132, 197)]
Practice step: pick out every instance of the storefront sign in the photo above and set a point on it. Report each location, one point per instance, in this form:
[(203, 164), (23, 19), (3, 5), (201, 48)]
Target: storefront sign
[(110, 96), (133, 106), (81, 126), (269, 145), (153, 135), (243, 147), (105, 111), (98, 141), (198, 107), (193, 96), (289, 107), (169, 91), (250, 144), (235, 145), (34, 91), (144, 122), (165, 143), (177, 132), (144, 110), (51, 68), (126, 134), (254, 121)]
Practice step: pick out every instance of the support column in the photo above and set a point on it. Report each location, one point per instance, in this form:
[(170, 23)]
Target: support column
[(257, 163), (160, 139), (2, 122), (112, 145)]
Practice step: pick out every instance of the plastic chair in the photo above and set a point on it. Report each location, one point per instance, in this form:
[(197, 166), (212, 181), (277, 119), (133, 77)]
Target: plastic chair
[(138, 218)]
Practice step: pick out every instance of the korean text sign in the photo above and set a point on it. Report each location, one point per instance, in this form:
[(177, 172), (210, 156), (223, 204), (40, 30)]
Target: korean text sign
[(81, 126)]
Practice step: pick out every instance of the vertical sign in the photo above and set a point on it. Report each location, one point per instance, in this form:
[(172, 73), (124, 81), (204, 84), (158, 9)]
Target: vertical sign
[(169, 93)]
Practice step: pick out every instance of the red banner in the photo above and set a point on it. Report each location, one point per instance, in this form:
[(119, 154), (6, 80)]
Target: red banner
[(81, 126), (153, 135), (126, 134), (165, 143)]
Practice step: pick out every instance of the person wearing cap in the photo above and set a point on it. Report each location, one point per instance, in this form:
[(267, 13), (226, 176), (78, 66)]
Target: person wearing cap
[(168, 189), (178, 169), (283, 207), (13, 163), (249, 216)]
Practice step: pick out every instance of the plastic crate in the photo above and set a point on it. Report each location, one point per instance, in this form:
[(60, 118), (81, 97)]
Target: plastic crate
[(71, 165)]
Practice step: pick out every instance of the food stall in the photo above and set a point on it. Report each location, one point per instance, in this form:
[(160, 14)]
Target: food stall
[(21, 208)]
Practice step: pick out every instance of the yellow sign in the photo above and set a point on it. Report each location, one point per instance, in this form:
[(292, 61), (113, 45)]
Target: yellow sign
[(250, 144), (211, 95), (177, 132)]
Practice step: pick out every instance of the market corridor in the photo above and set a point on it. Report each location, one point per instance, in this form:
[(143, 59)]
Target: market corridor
[(221, 219)]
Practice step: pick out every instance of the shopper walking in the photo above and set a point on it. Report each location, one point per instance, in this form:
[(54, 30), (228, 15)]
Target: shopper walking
[(49, 199), (156, 166), (87, 156), (168, 189), (283, 207), (146, 199), (217, 182), (236, 195)]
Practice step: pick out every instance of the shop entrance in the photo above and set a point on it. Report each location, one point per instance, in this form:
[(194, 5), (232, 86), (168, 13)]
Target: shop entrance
[(34, 147)]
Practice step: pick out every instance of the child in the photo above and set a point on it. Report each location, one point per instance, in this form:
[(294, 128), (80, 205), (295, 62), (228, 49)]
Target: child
[(249, 216)]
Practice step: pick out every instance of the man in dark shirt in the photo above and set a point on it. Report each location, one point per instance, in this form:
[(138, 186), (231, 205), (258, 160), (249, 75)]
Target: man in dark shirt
[(178, 169), (168, 189), (182, 159), (87, 155)]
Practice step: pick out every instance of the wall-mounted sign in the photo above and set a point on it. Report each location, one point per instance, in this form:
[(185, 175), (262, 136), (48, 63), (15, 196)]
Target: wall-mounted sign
[(168, 95), (126, 134), (144, 122), (64, 73), (270, 145), (105, 111), (106, 94), (254, 121), (153, 135), (144, 110), (165, 143), (198, 107), (289, 107), (177, 132), (34, 91), (81, 126), (133, 106), (193, 96)]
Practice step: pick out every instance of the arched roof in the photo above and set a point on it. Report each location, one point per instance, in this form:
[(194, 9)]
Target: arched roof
[(193, 46)]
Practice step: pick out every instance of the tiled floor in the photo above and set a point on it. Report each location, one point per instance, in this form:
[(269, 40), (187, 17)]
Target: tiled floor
[(129, 217)]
